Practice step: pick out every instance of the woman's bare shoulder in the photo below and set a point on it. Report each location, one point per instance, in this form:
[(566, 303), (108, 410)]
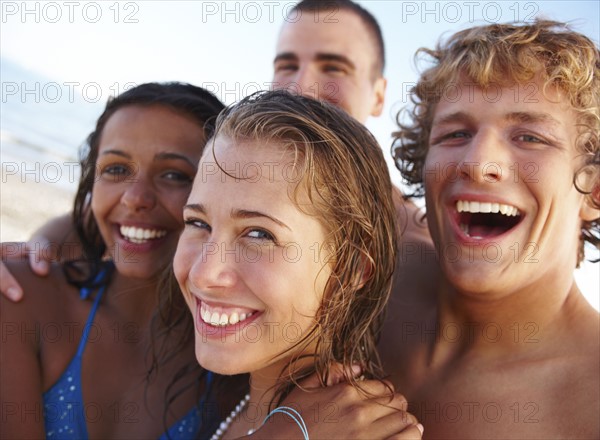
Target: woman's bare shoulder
[(43, 296)]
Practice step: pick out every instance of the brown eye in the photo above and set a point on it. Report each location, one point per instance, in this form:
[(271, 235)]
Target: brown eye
[(177, 176), (286, 67), (116, 172)]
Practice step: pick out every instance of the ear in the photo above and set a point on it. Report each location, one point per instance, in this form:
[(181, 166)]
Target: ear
[(378, 96), (365, 274)]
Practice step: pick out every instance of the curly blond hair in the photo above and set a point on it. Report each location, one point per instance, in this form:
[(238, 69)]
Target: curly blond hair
[(507, 54)]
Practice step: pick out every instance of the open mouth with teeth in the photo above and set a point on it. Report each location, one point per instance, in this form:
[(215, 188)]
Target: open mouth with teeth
[(223, 316), (486, 219), (141, 235)]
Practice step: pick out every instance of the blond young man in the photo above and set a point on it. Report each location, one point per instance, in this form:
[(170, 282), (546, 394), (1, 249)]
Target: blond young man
[(504, 144)]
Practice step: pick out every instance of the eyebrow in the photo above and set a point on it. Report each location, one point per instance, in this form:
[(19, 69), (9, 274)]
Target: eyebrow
[(532, 117), (285, 56), (453, 117), (115, 152), (523, 117), (320, 56), (238, 213), (175, 156), (159, 156)]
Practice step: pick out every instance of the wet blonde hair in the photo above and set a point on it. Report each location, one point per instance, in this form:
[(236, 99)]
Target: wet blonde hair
[(507, 54), (340, 167)]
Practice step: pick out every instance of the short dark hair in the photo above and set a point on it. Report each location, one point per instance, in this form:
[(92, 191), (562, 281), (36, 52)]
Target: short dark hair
[(347, 5)]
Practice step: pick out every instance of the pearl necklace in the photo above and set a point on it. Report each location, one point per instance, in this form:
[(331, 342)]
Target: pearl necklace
[(224, 426)]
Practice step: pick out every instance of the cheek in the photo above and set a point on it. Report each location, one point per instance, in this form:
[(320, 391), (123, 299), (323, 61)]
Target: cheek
[(181, 263), (181, 269), (333, 91), (310, 289), (174, 203), (440, 167), (430, 171), (102, 200)]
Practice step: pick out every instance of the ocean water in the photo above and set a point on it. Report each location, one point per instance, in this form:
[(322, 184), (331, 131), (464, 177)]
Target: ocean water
[(43, 122)]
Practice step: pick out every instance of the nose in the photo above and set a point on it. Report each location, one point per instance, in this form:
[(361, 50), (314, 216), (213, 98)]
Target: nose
[(307, 82), (484, 159), (213, 267), (139, 194)]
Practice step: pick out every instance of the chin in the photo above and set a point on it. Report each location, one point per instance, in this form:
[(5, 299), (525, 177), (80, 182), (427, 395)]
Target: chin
[(138, 270), (477, 289), (218, 364)]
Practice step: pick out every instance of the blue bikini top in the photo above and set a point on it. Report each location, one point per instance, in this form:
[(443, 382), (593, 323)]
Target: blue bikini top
[(64, 408)]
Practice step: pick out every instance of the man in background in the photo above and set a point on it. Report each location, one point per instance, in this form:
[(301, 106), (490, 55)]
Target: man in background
[(329, 50)]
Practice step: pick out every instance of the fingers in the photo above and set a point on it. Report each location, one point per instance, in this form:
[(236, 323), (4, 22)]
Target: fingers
[(39, 258), (337, 374), (8, 285), (343, 411), (382, 417), (412, 432)]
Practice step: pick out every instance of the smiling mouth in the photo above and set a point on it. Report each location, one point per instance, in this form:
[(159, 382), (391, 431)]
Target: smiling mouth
[(486, 219), (221, 317), (141, 235)]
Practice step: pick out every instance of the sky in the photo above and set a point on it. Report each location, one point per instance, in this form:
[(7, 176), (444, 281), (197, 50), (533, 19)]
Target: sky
[(101, 48)]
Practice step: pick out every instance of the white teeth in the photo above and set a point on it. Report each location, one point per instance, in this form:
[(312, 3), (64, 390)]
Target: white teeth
[(139, 235), (205, 314), (221, 318), (224, 319), (486, 207)]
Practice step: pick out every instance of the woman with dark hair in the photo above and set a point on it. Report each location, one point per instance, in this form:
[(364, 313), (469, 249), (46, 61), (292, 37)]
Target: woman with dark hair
[(97, 367)]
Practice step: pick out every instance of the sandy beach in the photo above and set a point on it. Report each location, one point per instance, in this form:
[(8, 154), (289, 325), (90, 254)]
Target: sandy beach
[(25, 204)]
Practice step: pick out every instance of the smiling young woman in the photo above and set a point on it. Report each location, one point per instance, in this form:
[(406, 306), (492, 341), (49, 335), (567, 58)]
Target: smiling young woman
[(287, 256), (100, 372)]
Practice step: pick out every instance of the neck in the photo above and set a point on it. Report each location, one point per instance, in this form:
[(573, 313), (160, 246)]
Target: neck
[(529, 321), (263, 386), (133, 300)]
